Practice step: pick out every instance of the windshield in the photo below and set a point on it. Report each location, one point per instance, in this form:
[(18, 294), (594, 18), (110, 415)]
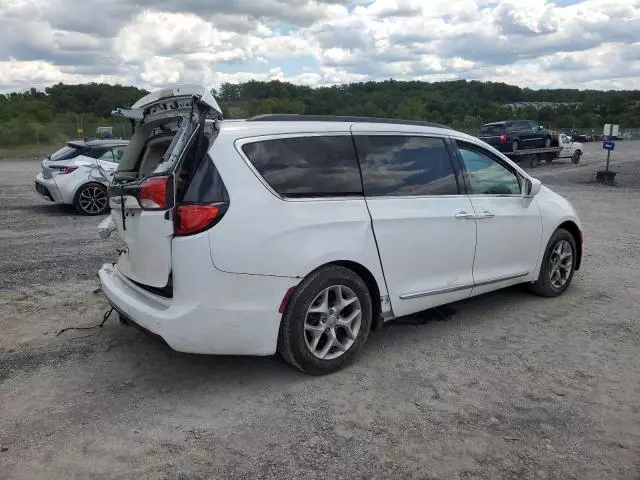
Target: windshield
[(65, 153)]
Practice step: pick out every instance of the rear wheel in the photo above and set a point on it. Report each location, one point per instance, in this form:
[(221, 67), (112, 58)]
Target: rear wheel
[(515, 145), (558, 265), (575, 158), (92, 199), (327, 321), (547, 142)]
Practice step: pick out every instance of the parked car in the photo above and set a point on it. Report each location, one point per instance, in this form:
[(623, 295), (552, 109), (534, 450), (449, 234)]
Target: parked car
[(581, 137), (79, 173), (301, 234), (570, 148), (514, 135)]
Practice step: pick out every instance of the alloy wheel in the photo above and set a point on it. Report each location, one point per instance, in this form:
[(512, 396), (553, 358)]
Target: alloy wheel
[(560, 264), (332, 322), (93, 199)]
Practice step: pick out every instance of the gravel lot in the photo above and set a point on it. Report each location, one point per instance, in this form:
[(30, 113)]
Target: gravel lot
[(509, 386)]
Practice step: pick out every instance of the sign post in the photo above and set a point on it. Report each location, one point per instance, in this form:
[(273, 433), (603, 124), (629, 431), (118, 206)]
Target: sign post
[(610, 131)]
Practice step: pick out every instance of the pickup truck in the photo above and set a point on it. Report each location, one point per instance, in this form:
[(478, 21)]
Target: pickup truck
[(570, 148)]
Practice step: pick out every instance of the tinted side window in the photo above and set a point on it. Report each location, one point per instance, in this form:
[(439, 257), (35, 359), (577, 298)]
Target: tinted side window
[(307, 166), (65, 153), (206, 185), (108, 156), (97, 152), (486, 175), (404, 165)]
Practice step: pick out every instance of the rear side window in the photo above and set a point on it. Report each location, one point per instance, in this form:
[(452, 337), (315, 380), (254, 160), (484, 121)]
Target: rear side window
[(307, 166), (492, 130), (65, 153), (405, 165), (206, 185)]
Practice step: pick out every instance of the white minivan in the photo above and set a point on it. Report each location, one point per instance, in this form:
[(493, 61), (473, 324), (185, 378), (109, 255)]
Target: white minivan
[(301, 234)]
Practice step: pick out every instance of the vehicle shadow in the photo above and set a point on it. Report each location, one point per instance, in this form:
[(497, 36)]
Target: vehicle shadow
[(164, 370), (51, 209)]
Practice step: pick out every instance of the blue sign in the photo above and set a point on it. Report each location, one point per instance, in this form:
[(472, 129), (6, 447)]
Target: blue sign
[(608, 145)]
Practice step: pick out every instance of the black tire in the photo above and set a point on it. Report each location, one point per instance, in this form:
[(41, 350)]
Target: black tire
[(544, 285), (547, 142), (575, 158), (84, 195), (515, 145), (292, 339)]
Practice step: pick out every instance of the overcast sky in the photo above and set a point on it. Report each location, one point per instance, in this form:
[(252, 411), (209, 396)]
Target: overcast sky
[(149, 43)]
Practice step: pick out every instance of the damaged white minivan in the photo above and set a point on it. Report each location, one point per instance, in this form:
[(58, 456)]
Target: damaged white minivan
[(301, 234)]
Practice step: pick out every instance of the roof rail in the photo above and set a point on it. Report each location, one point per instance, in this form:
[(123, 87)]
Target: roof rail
[(294, 117)]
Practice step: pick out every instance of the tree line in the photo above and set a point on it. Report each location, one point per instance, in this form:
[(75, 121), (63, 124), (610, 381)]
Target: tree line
[(54, 115)]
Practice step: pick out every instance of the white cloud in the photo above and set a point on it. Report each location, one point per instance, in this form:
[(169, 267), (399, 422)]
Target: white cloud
[(592, 43), (16, 75)]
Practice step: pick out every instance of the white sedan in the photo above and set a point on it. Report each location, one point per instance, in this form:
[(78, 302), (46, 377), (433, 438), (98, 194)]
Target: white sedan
[(79, 174)]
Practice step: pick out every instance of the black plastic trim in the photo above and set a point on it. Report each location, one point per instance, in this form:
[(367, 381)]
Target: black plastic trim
[(292, 117)]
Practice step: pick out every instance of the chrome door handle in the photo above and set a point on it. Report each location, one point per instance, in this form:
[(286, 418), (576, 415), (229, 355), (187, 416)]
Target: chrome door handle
[(485, 215), (462, 215)]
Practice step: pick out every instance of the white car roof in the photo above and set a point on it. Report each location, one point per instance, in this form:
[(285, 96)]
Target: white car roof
[(249, 127)]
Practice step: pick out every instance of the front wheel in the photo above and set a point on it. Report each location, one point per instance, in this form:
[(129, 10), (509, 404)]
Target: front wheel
[(575, 158), (558, 265), (92, 199), (547, 142), (327, 321)]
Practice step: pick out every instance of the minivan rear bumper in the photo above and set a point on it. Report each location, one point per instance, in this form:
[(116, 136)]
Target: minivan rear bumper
[(237, 316)]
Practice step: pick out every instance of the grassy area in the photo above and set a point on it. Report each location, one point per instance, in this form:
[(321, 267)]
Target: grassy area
[(27, 151)]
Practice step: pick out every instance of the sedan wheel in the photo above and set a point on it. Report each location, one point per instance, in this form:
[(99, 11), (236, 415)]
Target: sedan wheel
[(92, 199)]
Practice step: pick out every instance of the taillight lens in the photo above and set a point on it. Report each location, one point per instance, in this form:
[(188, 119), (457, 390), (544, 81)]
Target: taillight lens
[(63, 170), (153, 193), (503, 137), (190, 219)]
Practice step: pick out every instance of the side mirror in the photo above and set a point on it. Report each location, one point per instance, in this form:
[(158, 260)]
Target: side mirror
[(531, 187)]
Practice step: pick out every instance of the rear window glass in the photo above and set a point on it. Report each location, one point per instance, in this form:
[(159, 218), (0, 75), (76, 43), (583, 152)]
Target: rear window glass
[(307, 166), (492, 130), (65, 153), (405, 165), (206, 185)]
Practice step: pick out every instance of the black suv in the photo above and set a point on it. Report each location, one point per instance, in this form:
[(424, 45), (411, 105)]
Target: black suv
[(513, 135)]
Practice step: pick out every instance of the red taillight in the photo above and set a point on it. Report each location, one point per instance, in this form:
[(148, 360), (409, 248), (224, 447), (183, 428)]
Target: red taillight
[(153, 193), (192, 219), (64, 170), (503, 137)]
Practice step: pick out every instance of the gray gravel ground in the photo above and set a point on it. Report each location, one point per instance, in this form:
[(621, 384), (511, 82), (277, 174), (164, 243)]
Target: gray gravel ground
[(510, 386)]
